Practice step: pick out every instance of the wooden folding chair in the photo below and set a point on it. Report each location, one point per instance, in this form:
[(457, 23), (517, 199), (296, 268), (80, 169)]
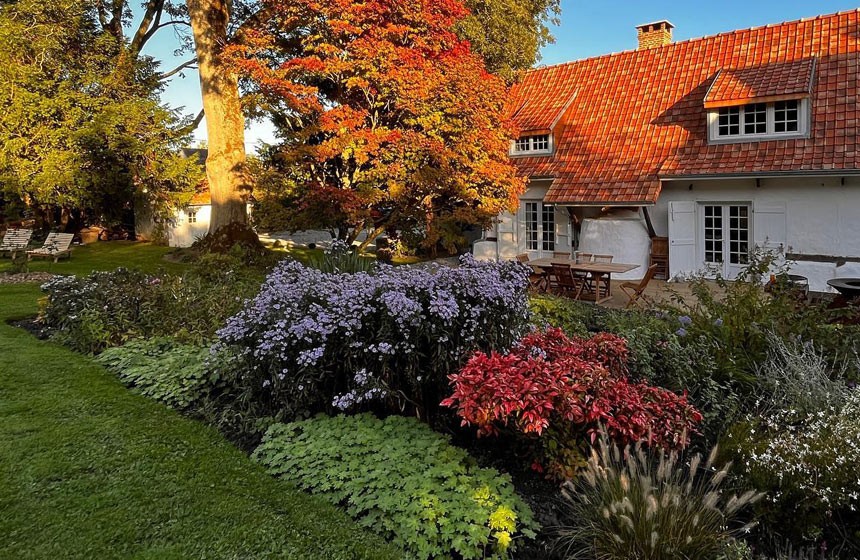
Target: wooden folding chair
[(564, 282), (606, 259), (561, 255), (636, 290), (537, 280), (583, 277)]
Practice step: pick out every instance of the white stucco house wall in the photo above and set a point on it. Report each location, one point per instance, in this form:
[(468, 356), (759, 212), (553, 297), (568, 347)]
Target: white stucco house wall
[(187, 223), (721, 144)]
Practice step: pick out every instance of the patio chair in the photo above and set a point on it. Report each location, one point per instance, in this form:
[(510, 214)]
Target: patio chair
[(635, 291), (606, 259), (537, 280), (15, 240), (56, 245), (561, 255), (563, 282), (583, 277)]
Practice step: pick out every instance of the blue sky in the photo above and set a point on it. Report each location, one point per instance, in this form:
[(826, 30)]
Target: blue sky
[(586, 29)]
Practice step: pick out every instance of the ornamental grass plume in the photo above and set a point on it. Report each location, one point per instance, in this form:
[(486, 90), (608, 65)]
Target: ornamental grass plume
[(650, 506)]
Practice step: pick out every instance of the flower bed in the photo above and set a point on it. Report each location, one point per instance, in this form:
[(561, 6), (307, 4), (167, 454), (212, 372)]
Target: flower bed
[(315, 341)]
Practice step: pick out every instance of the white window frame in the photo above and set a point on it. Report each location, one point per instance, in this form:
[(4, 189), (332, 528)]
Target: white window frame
[(531, 150), (802, 131), (538, 239), (191, 216), (726, 268)]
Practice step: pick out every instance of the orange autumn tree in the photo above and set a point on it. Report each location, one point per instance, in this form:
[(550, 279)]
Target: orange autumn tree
[(389, 121)]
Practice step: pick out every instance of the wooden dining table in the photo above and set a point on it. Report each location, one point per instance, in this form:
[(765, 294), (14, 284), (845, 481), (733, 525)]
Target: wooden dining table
[(598, 271)]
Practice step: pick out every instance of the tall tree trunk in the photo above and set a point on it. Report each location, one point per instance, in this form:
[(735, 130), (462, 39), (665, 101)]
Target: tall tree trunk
[(230, 184)]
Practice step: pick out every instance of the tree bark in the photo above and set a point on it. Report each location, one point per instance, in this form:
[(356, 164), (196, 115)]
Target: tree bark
[(230, 183)]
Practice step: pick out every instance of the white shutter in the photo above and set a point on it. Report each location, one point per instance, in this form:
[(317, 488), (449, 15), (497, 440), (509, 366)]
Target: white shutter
[(506, 222), (769, 226), (562, 229), (682, 238), (507, 235)]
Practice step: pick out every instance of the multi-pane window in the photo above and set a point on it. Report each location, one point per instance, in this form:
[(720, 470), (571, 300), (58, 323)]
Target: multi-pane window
[(192, 216), (729, 121), (739, 231), (540, 227), (758, 120), (532, 233), (548, 225), (755, 118), (713, 234), (786, 116), (532, 144)]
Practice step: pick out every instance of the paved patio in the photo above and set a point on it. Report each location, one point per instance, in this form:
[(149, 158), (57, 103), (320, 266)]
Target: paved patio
[(657, 291)]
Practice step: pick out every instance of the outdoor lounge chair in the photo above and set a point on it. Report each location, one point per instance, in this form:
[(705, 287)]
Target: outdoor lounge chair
[(15, 240), (56, 245), (635, 290)]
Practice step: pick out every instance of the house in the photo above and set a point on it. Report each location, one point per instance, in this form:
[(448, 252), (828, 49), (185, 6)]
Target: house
[(188, 223), (720, 144)]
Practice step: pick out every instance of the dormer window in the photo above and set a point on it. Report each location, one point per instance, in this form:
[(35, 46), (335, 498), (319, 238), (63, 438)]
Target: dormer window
[(533, 144), (786, 117), (759, 121)]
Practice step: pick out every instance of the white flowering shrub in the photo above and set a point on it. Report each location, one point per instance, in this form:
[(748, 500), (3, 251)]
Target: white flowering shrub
[(808, 462), (314, 340)]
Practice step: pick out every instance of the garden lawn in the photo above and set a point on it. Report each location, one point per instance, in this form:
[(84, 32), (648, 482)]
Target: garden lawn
[(88, 469), (106, 255)]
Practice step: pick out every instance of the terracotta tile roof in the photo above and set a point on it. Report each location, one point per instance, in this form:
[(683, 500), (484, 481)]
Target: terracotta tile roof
[(201, 198), (767, 82), (637, 116), (539, 102)]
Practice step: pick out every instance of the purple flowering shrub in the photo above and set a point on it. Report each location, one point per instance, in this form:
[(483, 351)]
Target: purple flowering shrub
[(387, 340)]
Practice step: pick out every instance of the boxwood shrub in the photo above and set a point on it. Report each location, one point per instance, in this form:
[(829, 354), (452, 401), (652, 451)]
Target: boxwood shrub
[(401, 479)]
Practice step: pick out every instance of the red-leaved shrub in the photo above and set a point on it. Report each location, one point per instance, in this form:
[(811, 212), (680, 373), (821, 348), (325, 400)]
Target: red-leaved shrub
[(559, 390)]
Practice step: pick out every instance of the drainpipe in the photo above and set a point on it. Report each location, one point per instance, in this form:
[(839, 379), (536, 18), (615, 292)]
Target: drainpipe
[(651, 233)]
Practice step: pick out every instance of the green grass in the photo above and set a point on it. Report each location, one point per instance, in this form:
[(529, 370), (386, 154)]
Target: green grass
[(305, 255), (89, 469), (109, 255), (105, 256)]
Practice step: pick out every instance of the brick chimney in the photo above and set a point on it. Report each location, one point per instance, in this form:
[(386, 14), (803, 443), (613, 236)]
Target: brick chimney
[(656, 34)]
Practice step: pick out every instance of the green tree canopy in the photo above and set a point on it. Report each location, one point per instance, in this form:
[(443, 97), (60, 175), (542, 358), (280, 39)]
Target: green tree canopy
[(509, 33), (81, 126)]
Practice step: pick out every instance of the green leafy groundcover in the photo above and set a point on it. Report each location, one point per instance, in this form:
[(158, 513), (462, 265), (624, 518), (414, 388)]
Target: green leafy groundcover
[(403, 480), (91, 470), (163, 369)]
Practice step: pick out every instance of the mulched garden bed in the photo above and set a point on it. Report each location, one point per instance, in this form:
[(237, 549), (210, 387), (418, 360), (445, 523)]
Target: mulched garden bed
[(26, 278)]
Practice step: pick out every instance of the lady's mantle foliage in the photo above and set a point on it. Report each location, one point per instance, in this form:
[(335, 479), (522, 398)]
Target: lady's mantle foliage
[(314, 341), (401, 479)]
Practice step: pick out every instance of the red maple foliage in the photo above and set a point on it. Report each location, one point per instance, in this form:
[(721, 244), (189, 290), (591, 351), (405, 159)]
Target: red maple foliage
[(381, 100), (567, 386)]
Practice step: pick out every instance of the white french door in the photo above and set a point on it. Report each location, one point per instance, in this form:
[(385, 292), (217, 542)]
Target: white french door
[(725, 235), (539, 229)]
